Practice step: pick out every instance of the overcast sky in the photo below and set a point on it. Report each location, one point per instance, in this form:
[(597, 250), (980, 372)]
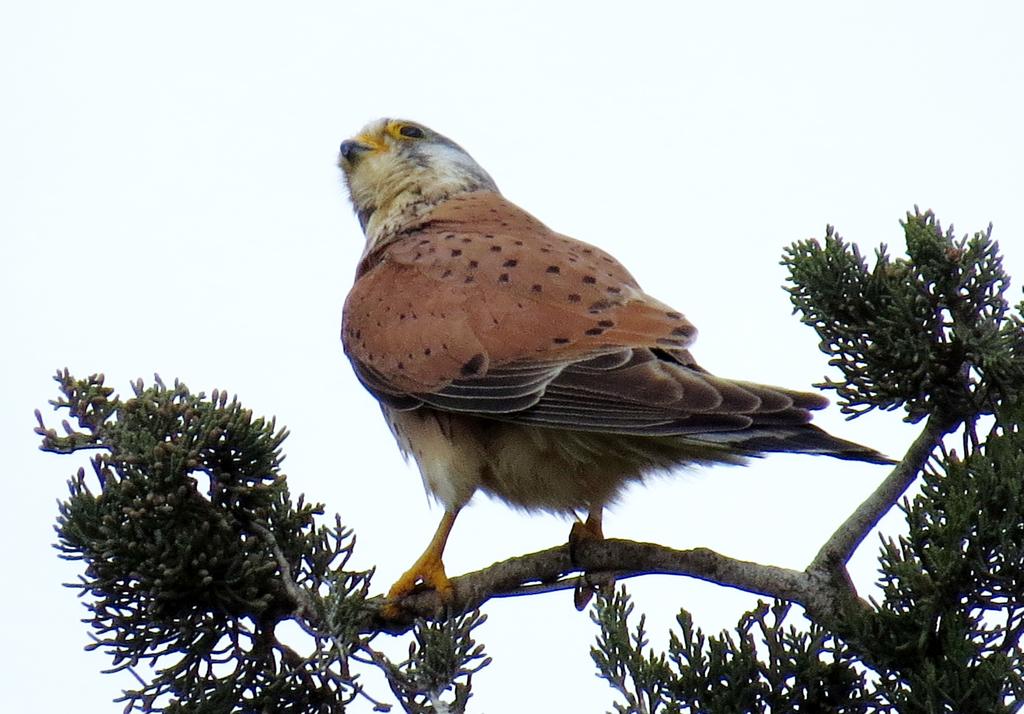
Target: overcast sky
[(171, 204)]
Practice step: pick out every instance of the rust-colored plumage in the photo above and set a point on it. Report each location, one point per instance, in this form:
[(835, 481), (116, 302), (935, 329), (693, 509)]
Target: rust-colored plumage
[(514, 360)]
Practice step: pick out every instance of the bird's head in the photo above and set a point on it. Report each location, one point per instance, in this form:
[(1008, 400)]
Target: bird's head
[(396, 170)]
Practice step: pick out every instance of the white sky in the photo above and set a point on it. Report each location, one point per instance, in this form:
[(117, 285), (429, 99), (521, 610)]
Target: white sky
[(171, 205)]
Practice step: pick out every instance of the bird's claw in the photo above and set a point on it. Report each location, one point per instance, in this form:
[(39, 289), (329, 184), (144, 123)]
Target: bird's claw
[(429, 572), (586, 586)]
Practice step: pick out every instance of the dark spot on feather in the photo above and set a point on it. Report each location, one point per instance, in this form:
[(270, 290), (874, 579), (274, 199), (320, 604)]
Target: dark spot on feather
[(425, 241), (401, 365), (473, 264), (510, 263), (574, 297), (426, 352), (518, 242), (359, 333), (606, 323), (456, 252), (599, 305), (681, 331), (606, 259), (474, 365), (561, 340), (467, 240), (488, 235), (449, 236), (495, 248), (469, 279), (446, 273), (554, 269), (503, 278), (545, 250), (674, 315), (401, 316), (588, 251), (594, 331), (613, 290), (536, 287), (589, 279)]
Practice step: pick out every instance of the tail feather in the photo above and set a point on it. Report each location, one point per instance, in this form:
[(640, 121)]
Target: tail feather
[(800, 439)]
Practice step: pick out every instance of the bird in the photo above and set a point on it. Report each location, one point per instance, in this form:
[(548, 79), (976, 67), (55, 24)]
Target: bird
[(511, 360)]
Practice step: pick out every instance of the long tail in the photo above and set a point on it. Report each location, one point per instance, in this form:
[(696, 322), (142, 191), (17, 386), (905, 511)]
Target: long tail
[(797, 439)]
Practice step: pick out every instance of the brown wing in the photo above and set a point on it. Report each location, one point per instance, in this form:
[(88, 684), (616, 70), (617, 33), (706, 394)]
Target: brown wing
[(479, 307)]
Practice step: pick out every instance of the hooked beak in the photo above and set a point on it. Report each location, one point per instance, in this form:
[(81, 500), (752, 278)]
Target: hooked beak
[(352, 149)]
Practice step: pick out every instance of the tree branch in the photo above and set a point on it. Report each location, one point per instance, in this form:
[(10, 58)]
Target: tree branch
[(824, 589), (840, 547), (304, 606), (622, 558)]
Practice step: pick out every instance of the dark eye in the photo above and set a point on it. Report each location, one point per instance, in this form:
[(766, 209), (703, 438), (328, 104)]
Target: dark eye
[(412, 132)]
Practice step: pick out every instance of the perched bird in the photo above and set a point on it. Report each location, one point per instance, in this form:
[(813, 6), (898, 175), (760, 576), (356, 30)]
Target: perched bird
[(513, 360)]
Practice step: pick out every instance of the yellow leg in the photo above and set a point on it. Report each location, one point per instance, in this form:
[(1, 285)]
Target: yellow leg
[(583, 531), (428, 568)]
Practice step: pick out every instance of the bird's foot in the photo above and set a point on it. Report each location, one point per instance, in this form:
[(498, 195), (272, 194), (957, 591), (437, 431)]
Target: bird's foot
[(587, 585), (582, 531), (428, 570)]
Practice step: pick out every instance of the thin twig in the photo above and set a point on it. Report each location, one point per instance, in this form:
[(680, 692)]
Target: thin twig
[(304, 606), (839, 548), (130, 669)]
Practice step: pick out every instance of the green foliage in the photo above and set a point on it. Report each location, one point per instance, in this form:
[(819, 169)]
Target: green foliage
[(930, 329), (948, 630), (945, 635), (761, 666), (620, 657), (931, 333), (195, 553), (441, 654)]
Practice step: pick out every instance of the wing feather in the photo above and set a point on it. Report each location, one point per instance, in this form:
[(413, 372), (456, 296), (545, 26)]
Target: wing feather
[(479, 308)]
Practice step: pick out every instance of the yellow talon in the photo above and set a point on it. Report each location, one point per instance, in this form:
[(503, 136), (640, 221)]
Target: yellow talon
[(427, 569)]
